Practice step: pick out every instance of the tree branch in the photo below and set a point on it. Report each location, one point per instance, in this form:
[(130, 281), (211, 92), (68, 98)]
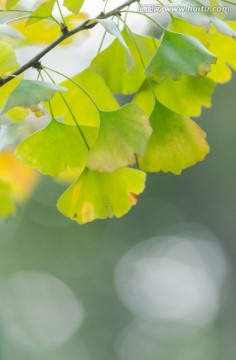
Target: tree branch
[(34, 62)]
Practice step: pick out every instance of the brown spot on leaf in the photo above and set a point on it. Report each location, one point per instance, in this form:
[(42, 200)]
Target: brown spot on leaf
[(133, 198)]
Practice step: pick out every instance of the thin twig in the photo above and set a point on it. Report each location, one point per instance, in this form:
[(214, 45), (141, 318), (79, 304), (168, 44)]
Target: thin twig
[(86, 25)]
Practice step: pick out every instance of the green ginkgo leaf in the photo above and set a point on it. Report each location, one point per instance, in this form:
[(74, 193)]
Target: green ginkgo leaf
[(222, 46), (122, 134), (57, 148), (188, 95), (30, 92), (179, 54), (102, 195), (175, 144), (73, 5), (18, 113), (110, 64), (7, 204), (8, 60), (80, 104), (43, 11)]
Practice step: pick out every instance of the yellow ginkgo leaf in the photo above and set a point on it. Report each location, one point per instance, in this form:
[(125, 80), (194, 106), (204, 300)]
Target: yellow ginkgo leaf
[(8, 60)]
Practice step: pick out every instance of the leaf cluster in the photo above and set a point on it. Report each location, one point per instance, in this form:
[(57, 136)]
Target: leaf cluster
[(102, 148)]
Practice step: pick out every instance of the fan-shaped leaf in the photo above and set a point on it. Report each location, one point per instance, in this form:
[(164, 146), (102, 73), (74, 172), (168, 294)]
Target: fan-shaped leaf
[(30, 92), (224, 47), (16, 114), (123, 133), (56, 148), (102, 195), (179, 54), (43, 11), (175, 144)]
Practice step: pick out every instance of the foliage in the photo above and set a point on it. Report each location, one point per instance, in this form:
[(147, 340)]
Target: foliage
[(89, 137)]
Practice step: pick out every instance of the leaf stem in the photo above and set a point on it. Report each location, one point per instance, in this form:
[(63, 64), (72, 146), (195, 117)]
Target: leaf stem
[(86, 25), (17, 19), (71, 112), (49, 102), (103, 38), (55, 20), (61, 13), (105, 6), (33, 17), (135, 42), (17, 10), (152, 35), (102, 41), (160, 2), (141, 58)]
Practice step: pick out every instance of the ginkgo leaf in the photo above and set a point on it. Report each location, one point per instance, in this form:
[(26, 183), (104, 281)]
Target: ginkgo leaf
[(175, 144), (122, 134), (73, 5), (56, 148), (21, 178), (113, 29), (179, 54), (7, 204), (43, 11), (102, 195), (6, 30), (8, 60), (222, 46), (110, 64), (188, 95), (80, 104), (30, 92), (11, 3), (16, 114)]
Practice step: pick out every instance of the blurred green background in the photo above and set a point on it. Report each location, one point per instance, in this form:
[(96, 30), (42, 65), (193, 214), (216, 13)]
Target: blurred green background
[(156, 284)]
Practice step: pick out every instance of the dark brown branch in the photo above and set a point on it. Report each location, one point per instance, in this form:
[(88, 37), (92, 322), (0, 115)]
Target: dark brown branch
[(86, 25)]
